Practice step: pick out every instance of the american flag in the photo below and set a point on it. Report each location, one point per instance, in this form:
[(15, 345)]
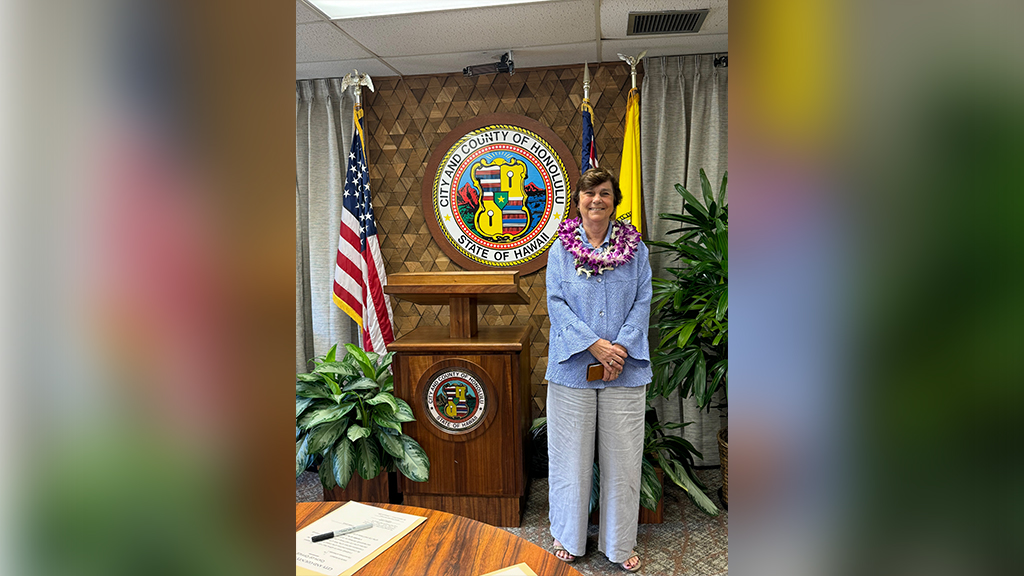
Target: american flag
[(589, 146), (359, 276)]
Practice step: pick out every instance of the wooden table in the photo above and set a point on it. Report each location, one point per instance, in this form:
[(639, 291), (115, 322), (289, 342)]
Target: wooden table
[(446, 544)]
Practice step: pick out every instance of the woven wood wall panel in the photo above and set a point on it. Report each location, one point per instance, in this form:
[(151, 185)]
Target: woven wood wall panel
[(407, 117)]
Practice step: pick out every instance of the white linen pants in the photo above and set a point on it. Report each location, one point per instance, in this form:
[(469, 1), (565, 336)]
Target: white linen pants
[(616, 415)]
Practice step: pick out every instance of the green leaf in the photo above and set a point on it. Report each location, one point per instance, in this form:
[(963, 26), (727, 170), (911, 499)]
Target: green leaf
[(343, 462), (672, 468), (705, 187), (367, 458), (311, 390), (362, 360), (386, 421), (330, 413), (696, 495), (331, 354), (650, 486), (721, 191), (384, 378), (403, 413), (392, 444), (723, 306), (384, 398), (681, 446), (385, 363), (306, 377), (697, 210), (355, 432), (323, 436), (335, 368), (301, 454), (700, 380), (414, 465), (301, 404), (361, 384), (302, 422), (332, 383), (326, 471), (685, 331)]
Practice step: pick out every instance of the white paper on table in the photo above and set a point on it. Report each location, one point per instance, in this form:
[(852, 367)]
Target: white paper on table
[(347, 553), (520, 569)]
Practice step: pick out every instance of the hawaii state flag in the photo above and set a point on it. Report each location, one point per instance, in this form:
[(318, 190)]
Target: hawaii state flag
[(589, 145), (359, 277), (629, 172)]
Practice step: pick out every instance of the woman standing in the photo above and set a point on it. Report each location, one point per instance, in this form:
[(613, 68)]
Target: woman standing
[(599, 303)]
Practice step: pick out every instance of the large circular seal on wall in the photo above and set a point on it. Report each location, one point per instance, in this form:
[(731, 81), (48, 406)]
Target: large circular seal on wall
[(495, 191)]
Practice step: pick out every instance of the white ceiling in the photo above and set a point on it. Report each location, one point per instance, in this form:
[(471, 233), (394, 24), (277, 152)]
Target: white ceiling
[(543, 34)]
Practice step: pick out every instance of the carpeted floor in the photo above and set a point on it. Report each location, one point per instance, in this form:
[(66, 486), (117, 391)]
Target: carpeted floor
[(688, 542)]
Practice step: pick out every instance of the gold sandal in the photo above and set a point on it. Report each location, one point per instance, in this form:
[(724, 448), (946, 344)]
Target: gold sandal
[(559, 548), (634, 568)]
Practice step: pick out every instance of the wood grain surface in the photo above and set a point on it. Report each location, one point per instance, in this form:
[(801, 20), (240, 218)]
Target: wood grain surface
[(492, 280), (489, 339), (463, 318), (479, 473), (489, 288), (484, 462), (446, 544)]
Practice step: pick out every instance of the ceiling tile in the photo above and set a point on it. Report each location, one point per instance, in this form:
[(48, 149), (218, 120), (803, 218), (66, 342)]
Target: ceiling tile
[(438, 63), (615, 15), (304, 13), (673, 45), (338, 68), (558, 55), (533, 57), (321, 42), (540, 35), (478, 29)]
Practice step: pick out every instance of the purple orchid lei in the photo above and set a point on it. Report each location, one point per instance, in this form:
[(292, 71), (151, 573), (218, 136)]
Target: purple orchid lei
[(621, 247)]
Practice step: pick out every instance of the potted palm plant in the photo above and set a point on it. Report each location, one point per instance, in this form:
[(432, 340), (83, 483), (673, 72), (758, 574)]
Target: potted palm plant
[(672, 456), (347, 416), (690, 310)]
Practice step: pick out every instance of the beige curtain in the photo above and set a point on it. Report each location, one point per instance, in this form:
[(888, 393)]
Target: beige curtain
[(684, 125), (323, 136)]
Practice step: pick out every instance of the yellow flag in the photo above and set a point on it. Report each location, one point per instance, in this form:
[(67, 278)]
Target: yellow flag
[(629, 172)]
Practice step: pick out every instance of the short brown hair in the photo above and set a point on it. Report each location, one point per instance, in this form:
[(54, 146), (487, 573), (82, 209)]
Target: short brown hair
[(595, 177)]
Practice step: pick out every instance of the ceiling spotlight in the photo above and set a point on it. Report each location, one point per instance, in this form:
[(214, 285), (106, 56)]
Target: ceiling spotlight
[(504, 65)]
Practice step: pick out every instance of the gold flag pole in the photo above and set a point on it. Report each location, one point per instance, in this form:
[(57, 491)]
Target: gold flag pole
[(631, 207), (632, 64), (586, 82)]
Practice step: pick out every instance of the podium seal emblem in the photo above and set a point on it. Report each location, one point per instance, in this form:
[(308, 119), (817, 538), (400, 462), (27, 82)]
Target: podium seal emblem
[(455, 400)]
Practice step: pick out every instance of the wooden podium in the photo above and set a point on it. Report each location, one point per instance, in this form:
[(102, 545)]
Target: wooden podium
[(469, 387)]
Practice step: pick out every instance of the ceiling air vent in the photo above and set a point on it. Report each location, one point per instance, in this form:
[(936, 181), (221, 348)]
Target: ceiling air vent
[(668, 22)]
